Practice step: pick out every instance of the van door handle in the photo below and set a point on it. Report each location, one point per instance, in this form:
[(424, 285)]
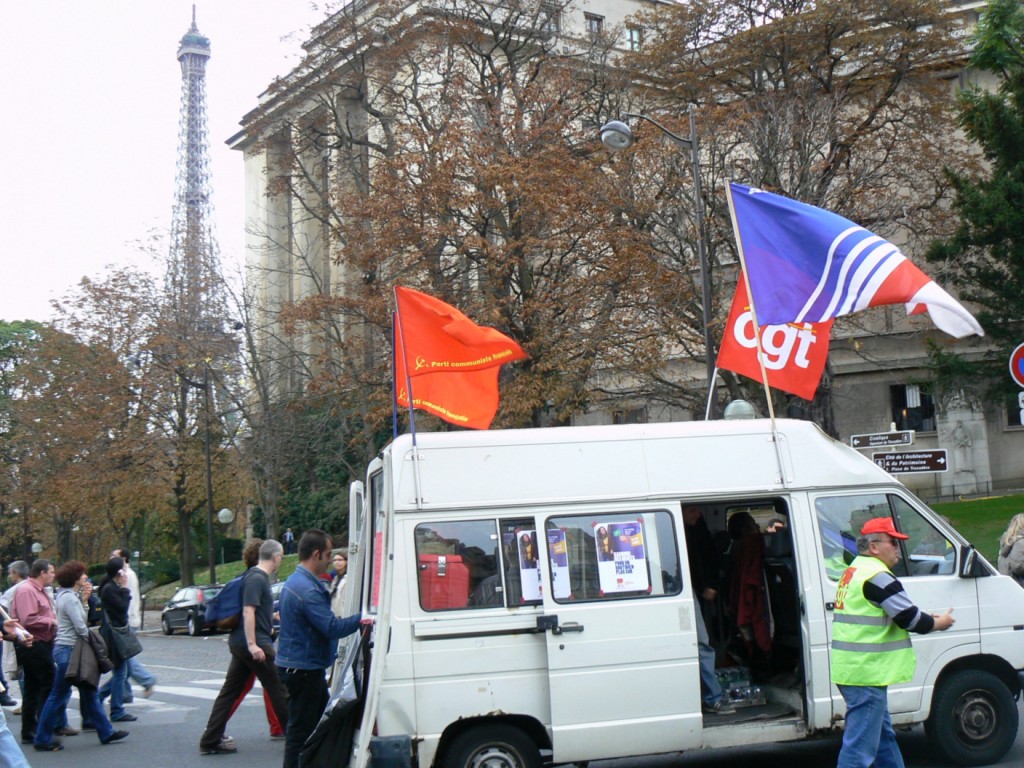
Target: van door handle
[(830, 606), (571, 626)]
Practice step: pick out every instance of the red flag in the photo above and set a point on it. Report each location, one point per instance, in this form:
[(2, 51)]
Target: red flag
[(438, 337), (794, 353), (453, 363)]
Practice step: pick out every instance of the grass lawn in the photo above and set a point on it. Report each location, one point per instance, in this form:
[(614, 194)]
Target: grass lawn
[(982, 521)]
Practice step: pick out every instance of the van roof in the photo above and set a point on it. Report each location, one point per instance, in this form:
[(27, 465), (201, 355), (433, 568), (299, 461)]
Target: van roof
[(518, 467)]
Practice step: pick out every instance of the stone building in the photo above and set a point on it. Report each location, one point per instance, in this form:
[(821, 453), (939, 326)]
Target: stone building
[(879, 363)]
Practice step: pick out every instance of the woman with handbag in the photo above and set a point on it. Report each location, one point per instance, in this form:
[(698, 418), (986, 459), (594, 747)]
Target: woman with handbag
[(115, 598), (71, 598)]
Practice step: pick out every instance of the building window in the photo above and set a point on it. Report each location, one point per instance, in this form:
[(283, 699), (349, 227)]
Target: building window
[(912, 408), (630, 416), (550, 19), (595, 25), (1015, 410), (634, 38)]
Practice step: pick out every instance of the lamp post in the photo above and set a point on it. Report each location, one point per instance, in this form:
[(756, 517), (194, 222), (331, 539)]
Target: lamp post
[(212, 543), (617, 136)]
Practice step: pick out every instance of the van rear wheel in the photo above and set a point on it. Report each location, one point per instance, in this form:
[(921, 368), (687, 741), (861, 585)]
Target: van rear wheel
[(493, 746), (974, 718)]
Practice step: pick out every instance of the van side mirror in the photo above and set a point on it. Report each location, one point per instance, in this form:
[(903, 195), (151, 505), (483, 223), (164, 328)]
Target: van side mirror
[(971, 566)]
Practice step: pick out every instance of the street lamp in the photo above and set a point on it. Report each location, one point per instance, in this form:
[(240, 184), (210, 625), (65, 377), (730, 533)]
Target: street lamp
[(212, 544), (617, 136)]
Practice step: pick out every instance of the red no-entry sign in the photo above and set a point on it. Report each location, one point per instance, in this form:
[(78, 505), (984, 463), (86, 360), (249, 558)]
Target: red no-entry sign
[(1017, 365)]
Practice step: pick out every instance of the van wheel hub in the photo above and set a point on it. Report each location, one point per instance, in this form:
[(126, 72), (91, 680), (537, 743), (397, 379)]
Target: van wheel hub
[(493, 757), (975, 716)]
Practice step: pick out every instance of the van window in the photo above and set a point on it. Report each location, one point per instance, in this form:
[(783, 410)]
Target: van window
[(457, 565), (375, 554), (928, 551), (613, 556), (840, 518)]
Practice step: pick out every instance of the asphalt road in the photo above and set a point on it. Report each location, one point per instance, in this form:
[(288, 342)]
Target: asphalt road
[(191, 670)]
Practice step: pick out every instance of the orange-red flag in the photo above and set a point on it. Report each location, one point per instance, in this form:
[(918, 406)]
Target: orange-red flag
[(452, 363), (794, 354), (438, 337)]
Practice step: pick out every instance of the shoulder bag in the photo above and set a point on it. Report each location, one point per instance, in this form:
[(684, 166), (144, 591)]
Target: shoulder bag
[(125, 641)]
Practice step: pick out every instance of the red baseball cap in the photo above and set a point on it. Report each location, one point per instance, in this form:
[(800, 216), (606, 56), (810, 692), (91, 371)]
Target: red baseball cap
[(882, 525)]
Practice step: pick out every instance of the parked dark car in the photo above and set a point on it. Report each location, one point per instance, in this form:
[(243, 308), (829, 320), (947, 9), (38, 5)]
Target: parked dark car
[(187, 609)]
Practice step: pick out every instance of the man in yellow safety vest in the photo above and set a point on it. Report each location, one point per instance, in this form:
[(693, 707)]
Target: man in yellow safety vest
[(871, 647)]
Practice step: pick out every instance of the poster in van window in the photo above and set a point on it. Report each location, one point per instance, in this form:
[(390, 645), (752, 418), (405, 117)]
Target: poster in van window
[(558, 554), (621, 558), (529, 571)]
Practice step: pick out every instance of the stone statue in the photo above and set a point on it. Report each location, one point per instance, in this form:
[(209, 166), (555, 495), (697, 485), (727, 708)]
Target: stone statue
[(962, 443)]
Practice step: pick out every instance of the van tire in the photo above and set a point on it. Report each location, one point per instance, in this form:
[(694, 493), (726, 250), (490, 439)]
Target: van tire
[(493, 746), (974, 718)]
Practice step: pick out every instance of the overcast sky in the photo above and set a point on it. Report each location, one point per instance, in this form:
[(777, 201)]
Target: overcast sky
[(89, 135)]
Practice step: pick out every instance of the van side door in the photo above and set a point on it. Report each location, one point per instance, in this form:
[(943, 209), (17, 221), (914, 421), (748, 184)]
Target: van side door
[(620, 632)]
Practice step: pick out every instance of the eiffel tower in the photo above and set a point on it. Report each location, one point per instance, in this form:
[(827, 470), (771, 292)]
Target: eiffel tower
[(193, 274)]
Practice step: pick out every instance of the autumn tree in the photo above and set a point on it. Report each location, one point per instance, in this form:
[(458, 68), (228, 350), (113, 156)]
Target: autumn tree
[(984, 257), (16, 342), (456, 151), (838, 103)]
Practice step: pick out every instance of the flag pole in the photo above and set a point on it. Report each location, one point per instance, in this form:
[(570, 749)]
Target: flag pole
[(711, 392), (757, 331), (394, 376), (412, 414)]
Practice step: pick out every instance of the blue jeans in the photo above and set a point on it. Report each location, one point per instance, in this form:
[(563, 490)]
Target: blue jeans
[(868, 738), (710, 689), (54, 712), (10, 753), (114, 688), (138, 673)]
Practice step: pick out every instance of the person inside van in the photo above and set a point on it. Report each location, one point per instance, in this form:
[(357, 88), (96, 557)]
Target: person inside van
[(704, 582), (748, 602)]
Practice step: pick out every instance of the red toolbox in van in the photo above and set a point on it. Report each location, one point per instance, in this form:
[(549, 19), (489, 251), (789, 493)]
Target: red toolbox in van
[(444, 582)]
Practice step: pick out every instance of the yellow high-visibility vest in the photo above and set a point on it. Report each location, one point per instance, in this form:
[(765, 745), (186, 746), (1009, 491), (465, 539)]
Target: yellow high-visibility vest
[(868, 648)]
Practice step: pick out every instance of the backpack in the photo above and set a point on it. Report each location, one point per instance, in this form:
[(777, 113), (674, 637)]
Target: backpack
[(224, 610)]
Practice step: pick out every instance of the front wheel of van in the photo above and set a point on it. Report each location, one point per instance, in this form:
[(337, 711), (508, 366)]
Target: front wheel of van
[(493, 746), (974, 718)]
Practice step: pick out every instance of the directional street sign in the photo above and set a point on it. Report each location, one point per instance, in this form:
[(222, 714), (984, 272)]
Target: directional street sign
[(912, 461), (883, 439)]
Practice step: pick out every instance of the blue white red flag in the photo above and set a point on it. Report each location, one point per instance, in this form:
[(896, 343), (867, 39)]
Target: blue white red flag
[(807, 264)]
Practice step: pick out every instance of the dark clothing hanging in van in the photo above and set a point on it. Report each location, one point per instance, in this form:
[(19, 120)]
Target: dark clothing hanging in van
[(704, 557)]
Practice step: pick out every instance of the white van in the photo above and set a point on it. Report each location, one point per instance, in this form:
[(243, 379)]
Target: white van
[(507, 630)]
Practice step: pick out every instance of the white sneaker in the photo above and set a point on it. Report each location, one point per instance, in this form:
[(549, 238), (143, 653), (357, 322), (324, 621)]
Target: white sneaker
[(720, 707), (148, 691)]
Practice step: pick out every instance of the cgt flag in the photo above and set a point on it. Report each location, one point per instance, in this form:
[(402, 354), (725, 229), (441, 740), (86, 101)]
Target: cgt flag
[(794, 353), (807, 264), (450, 363)]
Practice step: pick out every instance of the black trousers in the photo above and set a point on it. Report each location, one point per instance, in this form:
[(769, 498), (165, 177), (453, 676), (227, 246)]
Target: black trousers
[(241, 666), (307, 699), (37, 671)]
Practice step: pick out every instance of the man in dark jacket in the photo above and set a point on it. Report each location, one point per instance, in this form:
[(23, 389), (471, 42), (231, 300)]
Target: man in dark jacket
[(703, 556), (308, 641)]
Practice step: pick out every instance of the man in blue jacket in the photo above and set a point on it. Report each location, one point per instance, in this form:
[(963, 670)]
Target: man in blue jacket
[(308, 642)]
